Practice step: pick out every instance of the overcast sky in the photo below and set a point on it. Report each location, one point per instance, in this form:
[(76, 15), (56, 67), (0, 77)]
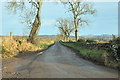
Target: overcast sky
[(104, 22)]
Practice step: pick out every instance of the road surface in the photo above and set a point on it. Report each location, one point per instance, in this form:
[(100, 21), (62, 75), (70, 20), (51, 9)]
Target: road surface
[(56, 62)]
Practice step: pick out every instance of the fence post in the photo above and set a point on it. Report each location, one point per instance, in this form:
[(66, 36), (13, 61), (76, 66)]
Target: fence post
[(11, 35)]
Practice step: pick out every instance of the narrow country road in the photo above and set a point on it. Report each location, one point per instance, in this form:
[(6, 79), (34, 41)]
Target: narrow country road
[(56, 62)]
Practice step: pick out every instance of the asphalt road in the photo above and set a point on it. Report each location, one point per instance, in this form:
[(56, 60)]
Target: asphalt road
[(56, 62)]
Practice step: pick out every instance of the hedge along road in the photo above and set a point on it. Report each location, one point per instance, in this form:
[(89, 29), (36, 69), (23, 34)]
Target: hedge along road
[(56, 62)]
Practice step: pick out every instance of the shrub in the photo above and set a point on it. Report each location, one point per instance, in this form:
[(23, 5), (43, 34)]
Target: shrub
[(81, 40), (3, 49), (17, 45), (70, 41), (9, 48), (115, 48), (90, 41)]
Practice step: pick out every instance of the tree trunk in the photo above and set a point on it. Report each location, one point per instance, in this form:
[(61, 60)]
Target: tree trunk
[(65, 38), (68, 38), (76, 34), (36, 25), (76, 29)]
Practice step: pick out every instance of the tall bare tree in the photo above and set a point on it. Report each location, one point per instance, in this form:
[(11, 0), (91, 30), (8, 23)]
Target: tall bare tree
[(34, 11), (66, 27), (80, 10)]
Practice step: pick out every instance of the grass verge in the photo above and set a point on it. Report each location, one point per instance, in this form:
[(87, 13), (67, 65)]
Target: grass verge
[(95, 55), (20, 46)]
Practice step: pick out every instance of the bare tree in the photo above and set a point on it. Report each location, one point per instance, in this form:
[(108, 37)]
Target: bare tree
[(34, 11), (59, 37), (66, 27), (80, 10)]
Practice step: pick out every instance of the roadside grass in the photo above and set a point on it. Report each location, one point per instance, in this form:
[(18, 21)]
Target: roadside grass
[(44, 46), (19, 45), (94, 54), (89, 53)]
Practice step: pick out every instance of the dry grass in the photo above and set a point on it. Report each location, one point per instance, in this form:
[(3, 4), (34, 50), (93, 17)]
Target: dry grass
[(43, 41), (13, 47)]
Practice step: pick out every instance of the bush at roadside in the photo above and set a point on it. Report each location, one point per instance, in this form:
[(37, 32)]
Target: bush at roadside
[(13, 47)]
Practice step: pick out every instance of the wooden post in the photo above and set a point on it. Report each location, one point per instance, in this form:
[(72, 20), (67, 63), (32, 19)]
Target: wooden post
[(11, 35)]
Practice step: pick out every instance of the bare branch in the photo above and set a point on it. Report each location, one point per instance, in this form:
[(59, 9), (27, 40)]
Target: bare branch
[(66, 27)]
